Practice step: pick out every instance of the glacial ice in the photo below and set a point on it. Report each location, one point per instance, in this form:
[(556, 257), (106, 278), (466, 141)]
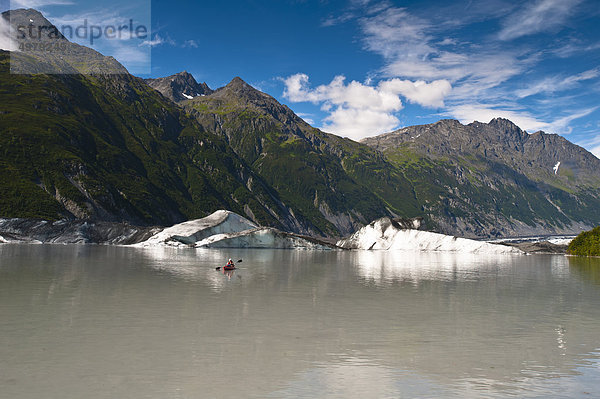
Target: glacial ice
[(188, 233), (262, 237), (384, 234), (225, 229)]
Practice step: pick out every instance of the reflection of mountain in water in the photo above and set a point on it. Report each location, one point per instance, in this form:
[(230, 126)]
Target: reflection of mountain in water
[(587, 268)]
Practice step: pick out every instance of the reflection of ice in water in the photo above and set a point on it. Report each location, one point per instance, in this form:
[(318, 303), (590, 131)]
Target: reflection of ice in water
[(386, 267), (189, 264), (199, 264)]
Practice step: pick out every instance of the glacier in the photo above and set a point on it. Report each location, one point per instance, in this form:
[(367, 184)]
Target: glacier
[(385, 234), (264, 237), (188, 233), (225, 229)]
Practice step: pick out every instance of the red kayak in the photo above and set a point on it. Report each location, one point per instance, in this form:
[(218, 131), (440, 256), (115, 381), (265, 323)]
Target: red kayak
[(228, 267)]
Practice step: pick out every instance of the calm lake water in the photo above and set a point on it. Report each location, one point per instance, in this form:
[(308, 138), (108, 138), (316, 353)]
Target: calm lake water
[(114, 322)]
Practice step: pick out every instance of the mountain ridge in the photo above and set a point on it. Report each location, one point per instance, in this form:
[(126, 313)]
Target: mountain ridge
[(282, 147), (110, 147)]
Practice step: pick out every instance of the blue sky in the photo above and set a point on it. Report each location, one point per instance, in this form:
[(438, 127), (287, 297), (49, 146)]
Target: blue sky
[(359, 67)]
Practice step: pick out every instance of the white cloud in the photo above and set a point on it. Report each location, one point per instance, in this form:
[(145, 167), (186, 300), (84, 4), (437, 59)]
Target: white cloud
[(37, 4), (358, 110), (420, 92), (357, 123), (157, 41), (394, 33), (536, 17), (412, 49), (190, 44), (574, 47), (554, 84), (561, 125), (355, 110), (353, 94)]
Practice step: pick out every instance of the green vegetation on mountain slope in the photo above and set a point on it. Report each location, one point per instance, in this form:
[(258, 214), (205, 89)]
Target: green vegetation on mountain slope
[(336, 183), (107, 146), (110, 147)]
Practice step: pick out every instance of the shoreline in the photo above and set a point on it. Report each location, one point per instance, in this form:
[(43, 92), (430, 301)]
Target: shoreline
[(86, 232)]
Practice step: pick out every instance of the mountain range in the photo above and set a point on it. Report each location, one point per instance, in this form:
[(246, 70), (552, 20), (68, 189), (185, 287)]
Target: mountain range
[(113, 147)]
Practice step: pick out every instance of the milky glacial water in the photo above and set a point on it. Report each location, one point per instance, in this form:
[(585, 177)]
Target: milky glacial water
[(116, 322)]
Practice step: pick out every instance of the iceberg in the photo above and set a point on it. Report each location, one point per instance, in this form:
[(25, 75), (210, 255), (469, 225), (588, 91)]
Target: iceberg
[(386, 234)]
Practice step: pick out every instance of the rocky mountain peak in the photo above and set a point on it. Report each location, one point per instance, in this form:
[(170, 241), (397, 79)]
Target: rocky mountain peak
[(240, 87), (506, 126), (240, 92), (179, 87), (26, 17), (30, 26), (43, 30), (448, 122)]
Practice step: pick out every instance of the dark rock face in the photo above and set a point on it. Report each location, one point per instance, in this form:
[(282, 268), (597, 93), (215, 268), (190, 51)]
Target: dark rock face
[(407, 224), (179, 87), (542, 247), (73, 232)]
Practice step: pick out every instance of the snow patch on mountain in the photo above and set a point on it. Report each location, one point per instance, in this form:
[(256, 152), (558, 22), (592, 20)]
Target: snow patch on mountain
[(386, 235), (555, 168)]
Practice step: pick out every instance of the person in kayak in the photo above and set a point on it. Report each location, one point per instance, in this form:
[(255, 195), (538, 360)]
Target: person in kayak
[(230, 264)]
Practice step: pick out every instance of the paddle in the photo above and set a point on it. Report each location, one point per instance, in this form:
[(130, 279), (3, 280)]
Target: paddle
[(219, 268)]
